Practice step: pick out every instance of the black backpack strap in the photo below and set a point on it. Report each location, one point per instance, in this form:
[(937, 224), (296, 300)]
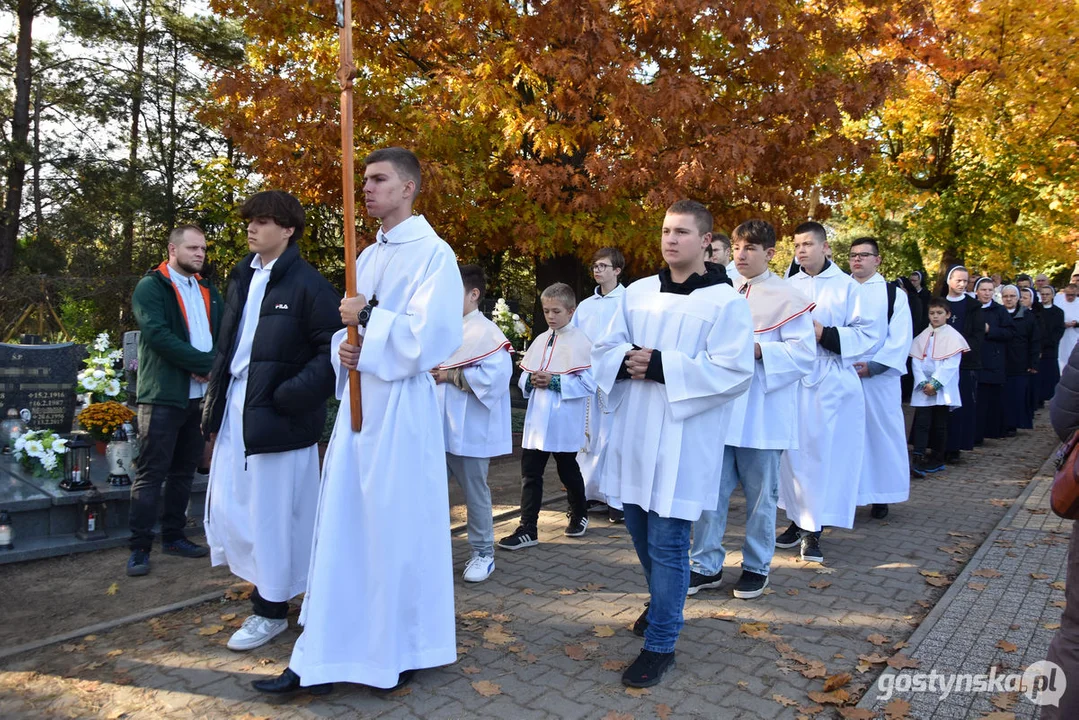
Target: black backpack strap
[(891, 300)]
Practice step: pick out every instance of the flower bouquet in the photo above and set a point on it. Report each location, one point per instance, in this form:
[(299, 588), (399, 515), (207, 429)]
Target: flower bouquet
[(101, 380), (39, 451), (102, 419), (510, 324)]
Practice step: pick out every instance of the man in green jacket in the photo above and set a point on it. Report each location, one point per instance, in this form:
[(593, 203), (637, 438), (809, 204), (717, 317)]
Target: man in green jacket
[(178, 313)]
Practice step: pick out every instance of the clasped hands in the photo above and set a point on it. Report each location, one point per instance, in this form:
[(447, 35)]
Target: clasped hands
[(636, 363)]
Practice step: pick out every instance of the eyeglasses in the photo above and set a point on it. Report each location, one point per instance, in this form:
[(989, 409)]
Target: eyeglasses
[(600, 267), (861, 256)]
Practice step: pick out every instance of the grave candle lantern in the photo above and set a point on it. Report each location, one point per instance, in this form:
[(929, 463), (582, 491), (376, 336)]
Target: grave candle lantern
[(92, 516), (7, 532), (10, 429), (77, 465), (121, 457)]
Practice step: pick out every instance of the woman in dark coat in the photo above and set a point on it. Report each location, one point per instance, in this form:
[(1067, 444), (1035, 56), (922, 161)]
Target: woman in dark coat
[(1020, 362), (1052, 321), (999, 329)]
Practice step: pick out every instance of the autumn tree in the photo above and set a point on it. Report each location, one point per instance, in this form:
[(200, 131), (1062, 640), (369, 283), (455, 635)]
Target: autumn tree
[(976, 151), (549, 129)]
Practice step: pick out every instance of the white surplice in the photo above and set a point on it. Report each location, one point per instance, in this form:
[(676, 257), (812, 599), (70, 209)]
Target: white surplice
[(380, 589), (556, 421), (663, 454), (1071, 334), (593, 316), (477, 421), (764, 417), (818, 483), (885, 476), (933, 356), (260, 509)]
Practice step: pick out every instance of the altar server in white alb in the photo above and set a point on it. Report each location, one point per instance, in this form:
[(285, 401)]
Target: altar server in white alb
[(885, 476), (763, 421), (473, 390), (818, 483), (593, 316), (267, 403), (678, 352), (935, 357), (557, 380), (1067, 301), (379, 602)]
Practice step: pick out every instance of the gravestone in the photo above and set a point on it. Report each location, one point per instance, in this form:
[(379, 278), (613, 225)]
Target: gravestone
[(131, 358), (41, 378)]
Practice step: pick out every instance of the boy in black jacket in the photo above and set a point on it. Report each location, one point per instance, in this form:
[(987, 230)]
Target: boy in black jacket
[(267, 399)]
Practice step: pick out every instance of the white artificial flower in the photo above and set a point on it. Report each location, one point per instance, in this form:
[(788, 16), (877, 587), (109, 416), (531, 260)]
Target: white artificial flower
[(20, 443), (101, 344), (99, 374), (113, 388), (115, 356), (34, 448), (59, 445), (90, 385), (49, 461)]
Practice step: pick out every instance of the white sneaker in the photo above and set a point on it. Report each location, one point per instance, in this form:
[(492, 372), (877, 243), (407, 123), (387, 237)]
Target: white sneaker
[(256, 632), (479, 568)]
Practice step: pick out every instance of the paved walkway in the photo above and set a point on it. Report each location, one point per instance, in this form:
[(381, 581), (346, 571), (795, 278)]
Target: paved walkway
[(547, 635)]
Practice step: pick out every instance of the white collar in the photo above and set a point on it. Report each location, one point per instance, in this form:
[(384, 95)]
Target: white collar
[(256, 262), (412, 228), (618, 289)]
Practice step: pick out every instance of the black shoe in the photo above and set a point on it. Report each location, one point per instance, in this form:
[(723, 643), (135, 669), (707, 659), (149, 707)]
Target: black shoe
[(811, 548), (916, 471), (577, 525), (203, 471), (790, 537), (597, 507), (403, 678), (641, 623), (615, 517), (521, 538), (138, 564), (750, 585), (952, 456), (184, 548), (698, 581), (648, 669), (288, 682), (879, 511)]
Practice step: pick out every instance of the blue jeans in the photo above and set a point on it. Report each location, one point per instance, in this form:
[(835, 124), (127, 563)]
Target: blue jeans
[(471, 474), (757, 471), (662, 546)]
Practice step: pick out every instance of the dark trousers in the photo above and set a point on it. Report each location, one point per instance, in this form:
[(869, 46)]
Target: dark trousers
[(170, 446), (930, 429), (1064, 648), (533, 463), (268, 608), (990, 423), (962, 424)]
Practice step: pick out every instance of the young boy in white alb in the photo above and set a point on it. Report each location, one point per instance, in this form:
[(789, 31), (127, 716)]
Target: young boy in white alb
[(557, 380), (473, 392), (763, 422), (679, 351), (593, 316), (935, 357)]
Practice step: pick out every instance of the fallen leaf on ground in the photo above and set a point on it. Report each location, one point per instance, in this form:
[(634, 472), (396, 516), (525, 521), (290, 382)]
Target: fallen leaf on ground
[(820, 584), (593, 587), (113, 589), (637, 692), (1058, 585), (792, 591), (855, 713), (753, 629), (576, 652), (863, 667), (211, 629), (501, 617), (816, 669), (1004, 701), (1007, 646), (785, 701), (486, 688), (930, 573), (1039, 576), (1051, 626), (958, 534), (89, 638), (663, 711), (516, 649), (496, 636), (977, 586), (1000, 502), (938, 582), (899, 661), (897, 709), (836, 681), (743, 684), (826, 571), (228, 616), (615, 665), (877, 639), (567, 591), (1059, 603), (470, 670), (900, 645), (603, 631), (612, 715), (874, 658), (475, 615), (114, 653), (836, 697), (528, 591), (987, 573)]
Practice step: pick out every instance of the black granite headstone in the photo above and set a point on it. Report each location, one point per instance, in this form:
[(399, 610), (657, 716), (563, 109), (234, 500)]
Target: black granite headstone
[(43, 379)]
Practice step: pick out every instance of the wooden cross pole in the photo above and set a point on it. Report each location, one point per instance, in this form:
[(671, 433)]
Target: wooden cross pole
[(345, 74)]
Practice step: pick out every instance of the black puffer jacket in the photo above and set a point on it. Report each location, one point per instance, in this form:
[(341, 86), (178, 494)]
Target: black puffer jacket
[(1064, 407), (290, 376)]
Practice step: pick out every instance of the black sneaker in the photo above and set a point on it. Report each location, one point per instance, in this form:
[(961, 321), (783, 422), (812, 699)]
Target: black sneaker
[(641, 623), (648, 669), (597, 507), (811, 548), (916, 471), (790, 537), (615, 516), (698, 581), (577, 525), (750, 585), (879, 511), (521, 538), (138, 564), (184, 548)]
